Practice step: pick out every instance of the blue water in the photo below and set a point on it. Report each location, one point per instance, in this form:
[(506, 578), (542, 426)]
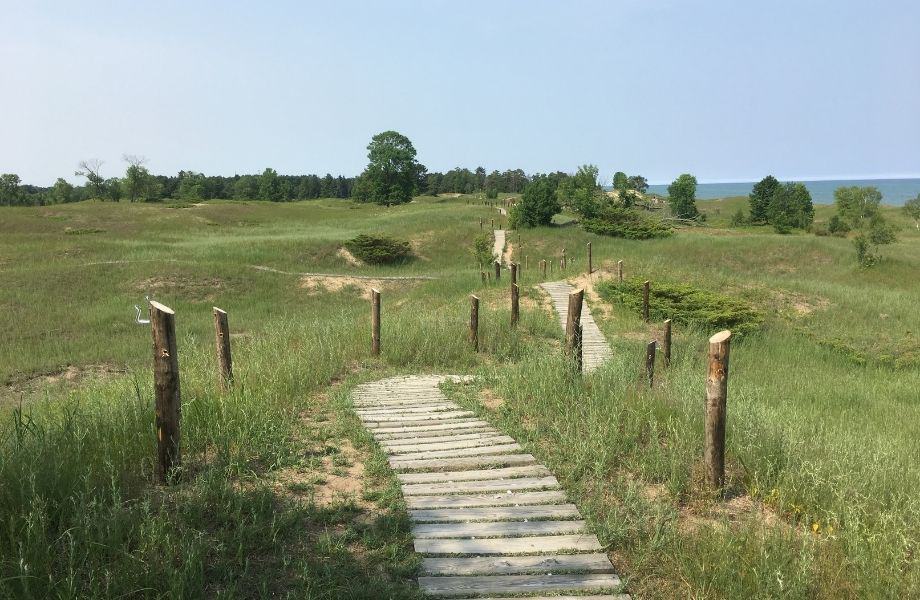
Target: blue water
[(894, 191)]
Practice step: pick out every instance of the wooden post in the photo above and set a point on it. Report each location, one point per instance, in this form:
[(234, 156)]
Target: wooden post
[(525, 262), (650, 361), (666, 343), (514, 273), (543, 267), (515, 304), (716, 393), (375, 322), (493, 223), (590, 270), (498, 270), (620, 270), (474, 323), (645, 291), (578, 350), (480, 222), (562, 264), (168, 404), (573, 319), (483, 275), (224, 359)]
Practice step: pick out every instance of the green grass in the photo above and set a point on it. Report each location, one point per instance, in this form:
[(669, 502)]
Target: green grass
[(824, 415)]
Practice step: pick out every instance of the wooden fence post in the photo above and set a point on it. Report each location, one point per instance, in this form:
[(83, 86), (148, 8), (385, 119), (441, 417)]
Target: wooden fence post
[(590, 269), (498, 270), (650, 361), (483, 275), (666, 343), (514, 272), (515, 304), (620, 271), (222, 338), (716, 393), (375, 322), (166, 387), (573, 319), (543, 267), (562, 265), (493, 223), (480, 222), (474, 323), (645, 292), (578, 350)]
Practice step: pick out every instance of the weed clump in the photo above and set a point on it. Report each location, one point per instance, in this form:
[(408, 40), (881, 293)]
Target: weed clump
[(685, 304), (379, 250), (625, 223)]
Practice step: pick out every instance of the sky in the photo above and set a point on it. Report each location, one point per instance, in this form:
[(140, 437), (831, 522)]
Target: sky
[(726, 90)]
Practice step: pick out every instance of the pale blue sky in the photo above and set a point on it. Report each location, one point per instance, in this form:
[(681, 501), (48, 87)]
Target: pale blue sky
[(726, 90)]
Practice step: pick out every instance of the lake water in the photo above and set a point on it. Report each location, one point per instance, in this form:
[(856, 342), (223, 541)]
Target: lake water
[(894, 191)]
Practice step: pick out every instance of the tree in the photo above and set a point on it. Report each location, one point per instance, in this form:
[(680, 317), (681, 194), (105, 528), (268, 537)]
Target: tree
[(9, 188), (62, 192), (138, 184), (191, 185), (682, 197), (912, 210), (392, 171), (760, 197), (637, 183), (620, 181), (581, 193), (860, 208), (90, 169), (270, 186), (790, 207), (480, 178), (538, 204)]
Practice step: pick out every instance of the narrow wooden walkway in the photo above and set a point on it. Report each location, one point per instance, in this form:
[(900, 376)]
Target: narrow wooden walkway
[(595, 349), (488, 519)]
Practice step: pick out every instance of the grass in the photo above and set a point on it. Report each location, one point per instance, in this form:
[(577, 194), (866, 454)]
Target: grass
[(823, 409)]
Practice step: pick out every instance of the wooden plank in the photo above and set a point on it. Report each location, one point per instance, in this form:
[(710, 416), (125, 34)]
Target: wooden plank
[(504, 473), (578, 597), (459, 424), (487, 485), (474, 500), (407, 410), (411, 418), (496, 529), (495, 513), (464, 462), (499, 449), (419, 435), (437, 437), (516, 565), (467, 585), (519, 545), (453, 445)]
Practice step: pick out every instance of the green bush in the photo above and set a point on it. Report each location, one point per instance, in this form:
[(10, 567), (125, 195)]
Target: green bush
[(379, 250), (685, 304), (482, 249), (624, 223), (491, 193)]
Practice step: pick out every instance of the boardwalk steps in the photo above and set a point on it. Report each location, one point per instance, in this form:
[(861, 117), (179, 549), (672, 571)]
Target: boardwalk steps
[(595, 349), (488, 519)]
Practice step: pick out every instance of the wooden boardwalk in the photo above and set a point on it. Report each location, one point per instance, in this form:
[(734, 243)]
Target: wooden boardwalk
[(489, 520), (595, 349)]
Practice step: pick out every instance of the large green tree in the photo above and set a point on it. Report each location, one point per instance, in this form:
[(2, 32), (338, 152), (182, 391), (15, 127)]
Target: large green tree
[(9, 188), (138, 184), (538, 203), (392, 173), (581, 193), (682, 197), (62, 192), (270, 187), (91, 169), (860, 207), (760, 197), (790, 207), (620, 181)]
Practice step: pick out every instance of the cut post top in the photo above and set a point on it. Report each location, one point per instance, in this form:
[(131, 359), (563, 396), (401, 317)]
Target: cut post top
[(162, 307), (219, 310), (722, 336)]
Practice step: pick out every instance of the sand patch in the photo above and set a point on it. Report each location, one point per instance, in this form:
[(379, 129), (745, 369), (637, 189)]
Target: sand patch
[(325, 284), (193, 289), (70, 376), (490, 401), (350, 258), (796, 304), (725, 514)]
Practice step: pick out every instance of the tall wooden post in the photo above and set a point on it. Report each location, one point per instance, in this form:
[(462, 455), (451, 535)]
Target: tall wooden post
[(375, 322), (666, 343), (650, 361), (590, 269), (515, 304), (514, 272), (543, 267), (474, 323), (562, 265), (480, 222), (525, 262), (168, 404), (620, 271), (716, 393), (222, 339), (483, 275), (493, 223), (578, 351), (645, 292), (573, 319), (498, 270)]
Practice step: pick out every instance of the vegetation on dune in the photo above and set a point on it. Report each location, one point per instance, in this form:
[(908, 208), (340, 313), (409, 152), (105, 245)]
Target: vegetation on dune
[(537, 206), (624, 223), (684, 303), (379, 249), (682, 197), (392, 173)]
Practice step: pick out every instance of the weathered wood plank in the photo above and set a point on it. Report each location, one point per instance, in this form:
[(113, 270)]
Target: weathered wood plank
[(413, 417), (459, 424), (464, 462), (519, 545), (496, 529), (450, 476), (465, 585), (452, 445), (474, 500), (420, 435), (517, 565), (487, 485), (499, 449), (495, 513)]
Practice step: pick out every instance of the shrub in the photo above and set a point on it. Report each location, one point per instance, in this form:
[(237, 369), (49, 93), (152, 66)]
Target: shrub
[(685, 304), (379, 250), (624, 223), (537, 206), (739, 219), (491, 193), (837, 226), (482, 249)]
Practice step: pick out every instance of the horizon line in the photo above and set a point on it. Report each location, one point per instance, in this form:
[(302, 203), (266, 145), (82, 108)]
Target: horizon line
[(812, 179)]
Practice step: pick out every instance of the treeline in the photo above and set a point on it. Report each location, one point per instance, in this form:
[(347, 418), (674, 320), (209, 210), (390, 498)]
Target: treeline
[(464, 181)]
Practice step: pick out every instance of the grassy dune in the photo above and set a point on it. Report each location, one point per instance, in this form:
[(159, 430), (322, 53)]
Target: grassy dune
[(824, 416)]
